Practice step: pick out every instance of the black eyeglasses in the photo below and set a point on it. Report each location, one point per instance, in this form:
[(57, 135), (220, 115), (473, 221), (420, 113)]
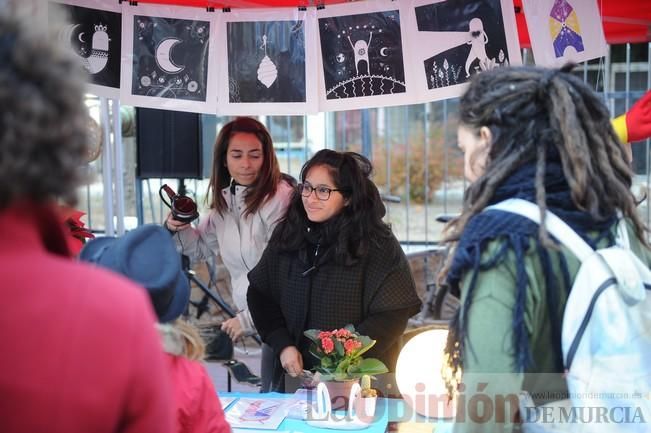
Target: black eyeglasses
[(322, 192)]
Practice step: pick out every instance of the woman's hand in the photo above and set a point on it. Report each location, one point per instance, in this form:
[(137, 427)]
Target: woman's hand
[(173, 225), (292, 361), (233, 328)]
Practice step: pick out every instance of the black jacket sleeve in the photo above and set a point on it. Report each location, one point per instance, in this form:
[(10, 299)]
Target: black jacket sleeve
[(264, 306)]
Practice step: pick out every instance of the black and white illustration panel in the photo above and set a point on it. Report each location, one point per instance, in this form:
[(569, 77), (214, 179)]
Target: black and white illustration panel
[(268, 58), (171, 65), (563, 31), (94, 33), (362, 58), (450, 41)]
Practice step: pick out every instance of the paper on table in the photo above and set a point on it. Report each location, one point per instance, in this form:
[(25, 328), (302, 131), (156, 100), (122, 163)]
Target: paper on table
[(248, 430), (226, 401), (252, 413)]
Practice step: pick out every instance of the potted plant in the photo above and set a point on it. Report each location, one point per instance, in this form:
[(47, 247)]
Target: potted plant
[(341, 363)]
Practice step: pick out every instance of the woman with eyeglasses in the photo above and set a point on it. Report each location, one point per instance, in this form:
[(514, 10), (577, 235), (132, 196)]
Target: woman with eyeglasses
[(331, 261), (248, 195)]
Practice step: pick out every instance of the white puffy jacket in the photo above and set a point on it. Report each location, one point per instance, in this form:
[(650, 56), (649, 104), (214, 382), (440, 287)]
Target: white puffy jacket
[(239, 240)]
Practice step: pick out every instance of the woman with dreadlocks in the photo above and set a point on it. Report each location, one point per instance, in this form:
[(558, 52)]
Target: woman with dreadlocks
[(543, 136)]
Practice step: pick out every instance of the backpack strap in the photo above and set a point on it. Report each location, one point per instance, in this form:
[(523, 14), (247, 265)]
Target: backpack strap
[(554, 225)]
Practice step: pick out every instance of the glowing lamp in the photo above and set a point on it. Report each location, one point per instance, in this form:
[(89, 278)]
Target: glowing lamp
[(418, 374)]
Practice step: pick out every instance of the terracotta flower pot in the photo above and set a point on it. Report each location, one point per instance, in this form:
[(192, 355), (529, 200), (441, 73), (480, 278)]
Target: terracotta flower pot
[(339, 392)]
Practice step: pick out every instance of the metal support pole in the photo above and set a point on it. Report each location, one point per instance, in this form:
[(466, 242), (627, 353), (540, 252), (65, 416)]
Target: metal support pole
[(107, 168), (119, 166)]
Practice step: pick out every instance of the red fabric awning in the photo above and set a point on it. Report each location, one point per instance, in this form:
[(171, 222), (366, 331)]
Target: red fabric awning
[(624, 20)]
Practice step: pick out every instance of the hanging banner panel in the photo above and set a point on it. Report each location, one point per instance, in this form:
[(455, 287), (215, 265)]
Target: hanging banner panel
[(170, 65), (564, 31), (362, 56), (268, 62), (450, 41), (94, 33)]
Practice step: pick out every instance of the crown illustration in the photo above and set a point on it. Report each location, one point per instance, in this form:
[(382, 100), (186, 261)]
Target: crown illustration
[(100, 27)]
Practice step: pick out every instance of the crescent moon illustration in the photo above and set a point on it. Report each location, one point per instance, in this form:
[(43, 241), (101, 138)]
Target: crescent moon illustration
[(80, 37), (66, 33), (383, 51), (163, 56)]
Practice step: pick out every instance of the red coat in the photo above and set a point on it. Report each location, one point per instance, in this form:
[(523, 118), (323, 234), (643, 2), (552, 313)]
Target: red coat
[(197, 407), (79, 350)]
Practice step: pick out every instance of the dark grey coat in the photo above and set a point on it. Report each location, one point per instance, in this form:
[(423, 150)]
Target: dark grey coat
[(375, 293)]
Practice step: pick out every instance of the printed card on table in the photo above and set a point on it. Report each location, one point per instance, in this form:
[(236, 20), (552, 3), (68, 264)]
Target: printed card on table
[(263, 414), (226, 401)]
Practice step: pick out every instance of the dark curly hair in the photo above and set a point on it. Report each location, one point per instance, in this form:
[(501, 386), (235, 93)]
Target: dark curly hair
[(43, 118), (360, 222), (265, 185)]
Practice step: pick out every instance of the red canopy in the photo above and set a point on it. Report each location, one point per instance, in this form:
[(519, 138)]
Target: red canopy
[(624, 20)]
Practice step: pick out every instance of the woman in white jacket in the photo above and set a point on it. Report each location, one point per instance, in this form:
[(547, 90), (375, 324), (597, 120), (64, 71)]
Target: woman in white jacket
[(247, 195)]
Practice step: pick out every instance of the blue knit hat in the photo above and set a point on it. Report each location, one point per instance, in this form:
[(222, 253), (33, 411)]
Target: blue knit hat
[(147, 256)]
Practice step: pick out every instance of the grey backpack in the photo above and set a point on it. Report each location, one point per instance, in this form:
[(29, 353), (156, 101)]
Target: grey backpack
[(606, 336)]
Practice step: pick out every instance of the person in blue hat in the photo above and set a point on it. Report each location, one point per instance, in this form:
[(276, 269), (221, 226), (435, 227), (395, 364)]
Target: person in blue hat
[(147, 256)]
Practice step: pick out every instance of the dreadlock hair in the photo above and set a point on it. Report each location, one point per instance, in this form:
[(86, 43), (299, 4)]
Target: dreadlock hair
[(545, 121), (360, 222), (265, 185), (531, 113)]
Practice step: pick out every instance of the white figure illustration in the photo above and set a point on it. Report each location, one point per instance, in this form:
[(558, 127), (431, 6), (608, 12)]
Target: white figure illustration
[(98, 58), (360, 48), (267, 71), (478, 40), (99, 54)]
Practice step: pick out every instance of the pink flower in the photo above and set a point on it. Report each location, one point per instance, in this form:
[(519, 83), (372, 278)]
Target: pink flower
[(325, 334), (327, 345), (342, 333), (351, 345)]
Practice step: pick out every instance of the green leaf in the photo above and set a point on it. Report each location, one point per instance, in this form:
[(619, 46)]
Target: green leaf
[(342, 367), (367, 343), (339, 348), (326, 376), (314, 352), (353, 366), (313, 334), (349, 327), (326, 362), (372, 366), (341, 376)]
